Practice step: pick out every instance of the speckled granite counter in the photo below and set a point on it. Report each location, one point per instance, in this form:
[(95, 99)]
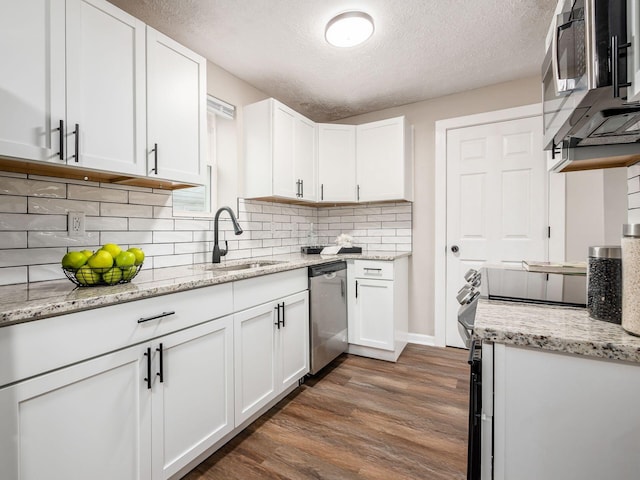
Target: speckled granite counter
[(27, 302), (561, 329)]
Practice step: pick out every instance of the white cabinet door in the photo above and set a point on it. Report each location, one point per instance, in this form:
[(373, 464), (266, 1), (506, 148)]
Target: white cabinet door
[(633, 32), (32, 86), (293, 339), (373, 314), (306, 166), (176, 96), (90, 420), (284, 171), (255, 359), (383, 161), (193, 401), (337, 162), (105, 88)]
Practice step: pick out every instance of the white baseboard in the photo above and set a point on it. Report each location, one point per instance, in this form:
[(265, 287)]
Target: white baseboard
[(421, 339)]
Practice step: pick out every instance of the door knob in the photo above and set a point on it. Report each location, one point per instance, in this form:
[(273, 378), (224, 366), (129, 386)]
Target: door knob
[(455, 249)]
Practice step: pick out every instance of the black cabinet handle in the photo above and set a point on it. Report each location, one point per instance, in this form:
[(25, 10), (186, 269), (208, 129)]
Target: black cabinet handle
[(61, 141), (302, 188), (373, 269), (155, 317), (322, 191), (148, 378), (455, 248), (358, 193), (161, 372), (341, 288), (283, 324), (356, 288), (278, 309), (155, 159), (615, 65), (77, 139)]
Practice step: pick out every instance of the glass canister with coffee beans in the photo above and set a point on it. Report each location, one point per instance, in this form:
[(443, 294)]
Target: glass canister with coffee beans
[(604, 283), (631, 278)]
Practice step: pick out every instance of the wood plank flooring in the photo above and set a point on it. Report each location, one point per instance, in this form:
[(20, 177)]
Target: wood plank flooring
[(360, 419)]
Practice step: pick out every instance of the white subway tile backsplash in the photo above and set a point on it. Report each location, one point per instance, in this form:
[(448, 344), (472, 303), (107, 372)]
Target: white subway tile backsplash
[(152, 224), (11, 275), (144, 198), (126, 238), (634, 216), (13, 204), (97, 194), (13, 239), (634, 200), (633, 170), (62, 239), (39, 273), (30, 256), (58, 205), (106, 223), (633, 185), (32, 244), (124, 210), (32, 188), (19, 221)]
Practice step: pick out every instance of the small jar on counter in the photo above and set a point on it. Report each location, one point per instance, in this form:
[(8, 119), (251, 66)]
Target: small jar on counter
[(604, 283), (631, 278)]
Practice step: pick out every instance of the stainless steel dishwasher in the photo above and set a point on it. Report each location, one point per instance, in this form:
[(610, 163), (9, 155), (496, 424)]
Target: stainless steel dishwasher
[(328, 313)]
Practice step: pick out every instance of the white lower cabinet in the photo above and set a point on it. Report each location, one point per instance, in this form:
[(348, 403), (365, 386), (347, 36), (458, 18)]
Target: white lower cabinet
[(558, 416), (271, 351), (90, 420), (192, 402), (378, 307)]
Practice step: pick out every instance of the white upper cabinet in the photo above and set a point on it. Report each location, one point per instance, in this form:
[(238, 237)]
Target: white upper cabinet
[(337, 162), (633, 32), (32, 84), (176, 122), (384, 161), (105, 88), (280, 152)]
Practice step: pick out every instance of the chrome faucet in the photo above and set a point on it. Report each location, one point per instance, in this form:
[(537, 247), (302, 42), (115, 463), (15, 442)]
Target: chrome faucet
[(217, 252)]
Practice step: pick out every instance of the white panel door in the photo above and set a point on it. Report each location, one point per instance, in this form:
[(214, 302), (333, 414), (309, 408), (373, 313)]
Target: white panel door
[(105, 88), (496, 202), (284, 173), (32, 85), (293, 339), (373, 312), (193, 402), (337, 162), (255, 359), (306, 166), (176, 96), (91, 420)]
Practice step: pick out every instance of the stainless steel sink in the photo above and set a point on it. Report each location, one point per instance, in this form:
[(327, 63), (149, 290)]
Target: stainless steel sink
[(237, 267)]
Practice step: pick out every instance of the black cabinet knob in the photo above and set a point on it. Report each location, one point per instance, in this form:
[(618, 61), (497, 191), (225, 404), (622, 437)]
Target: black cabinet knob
[(455, 249)]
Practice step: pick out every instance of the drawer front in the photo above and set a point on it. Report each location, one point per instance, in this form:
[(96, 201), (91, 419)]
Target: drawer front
[(373, 269), (256, 291), (32, 348)]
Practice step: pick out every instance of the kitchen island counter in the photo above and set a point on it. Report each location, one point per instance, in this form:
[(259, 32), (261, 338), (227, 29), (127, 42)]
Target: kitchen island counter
[(553, 328), (33, 301)]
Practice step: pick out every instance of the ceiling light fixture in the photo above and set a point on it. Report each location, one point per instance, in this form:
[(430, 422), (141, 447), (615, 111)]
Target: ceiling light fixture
[(349, 29)]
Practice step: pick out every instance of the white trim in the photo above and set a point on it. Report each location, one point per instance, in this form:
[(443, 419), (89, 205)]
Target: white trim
[(420, 339), (442, 126)]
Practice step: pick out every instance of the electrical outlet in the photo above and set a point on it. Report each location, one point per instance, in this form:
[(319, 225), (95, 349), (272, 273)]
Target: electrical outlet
[(75, 226)]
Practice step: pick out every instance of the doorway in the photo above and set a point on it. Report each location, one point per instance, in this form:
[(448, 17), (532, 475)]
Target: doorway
[(491, 201)]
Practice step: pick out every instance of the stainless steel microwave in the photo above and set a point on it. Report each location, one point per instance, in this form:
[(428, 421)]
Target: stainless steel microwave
[(584, 78)]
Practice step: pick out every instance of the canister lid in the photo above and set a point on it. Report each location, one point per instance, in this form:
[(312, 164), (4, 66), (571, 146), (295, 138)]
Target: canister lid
[(606, 251), (631, 230)]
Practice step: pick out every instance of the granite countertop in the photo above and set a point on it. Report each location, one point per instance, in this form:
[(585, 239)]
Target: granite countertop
[(33, 301), (560, 329)]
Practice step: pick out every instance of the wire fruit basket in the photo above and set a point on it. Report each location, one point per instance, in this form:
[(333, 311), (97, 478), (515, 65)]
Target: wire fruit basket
[(86, 276)]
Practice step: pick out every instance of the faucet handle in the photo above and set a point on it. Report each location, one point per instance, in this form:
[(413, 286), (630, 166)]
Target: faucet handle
[(224, 250)]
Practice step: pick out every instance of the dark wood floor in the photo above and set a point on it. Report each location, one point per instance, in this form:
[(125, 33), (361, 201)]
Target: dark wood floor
[(362, 419)]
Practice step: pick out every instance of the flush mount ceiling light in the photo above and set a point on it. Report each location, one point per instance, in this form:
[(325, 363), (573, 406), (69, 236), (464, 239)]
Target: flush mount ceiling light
[(349, 29)]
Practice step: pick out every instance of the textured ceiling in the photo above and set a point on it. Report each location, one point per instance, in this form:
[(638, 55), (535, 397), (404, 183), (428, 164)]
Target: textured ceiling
[(420, 49)]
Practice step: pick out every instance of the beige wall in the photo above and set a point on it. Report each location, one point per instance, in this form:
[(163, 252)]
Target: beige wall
[(422, 116)]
